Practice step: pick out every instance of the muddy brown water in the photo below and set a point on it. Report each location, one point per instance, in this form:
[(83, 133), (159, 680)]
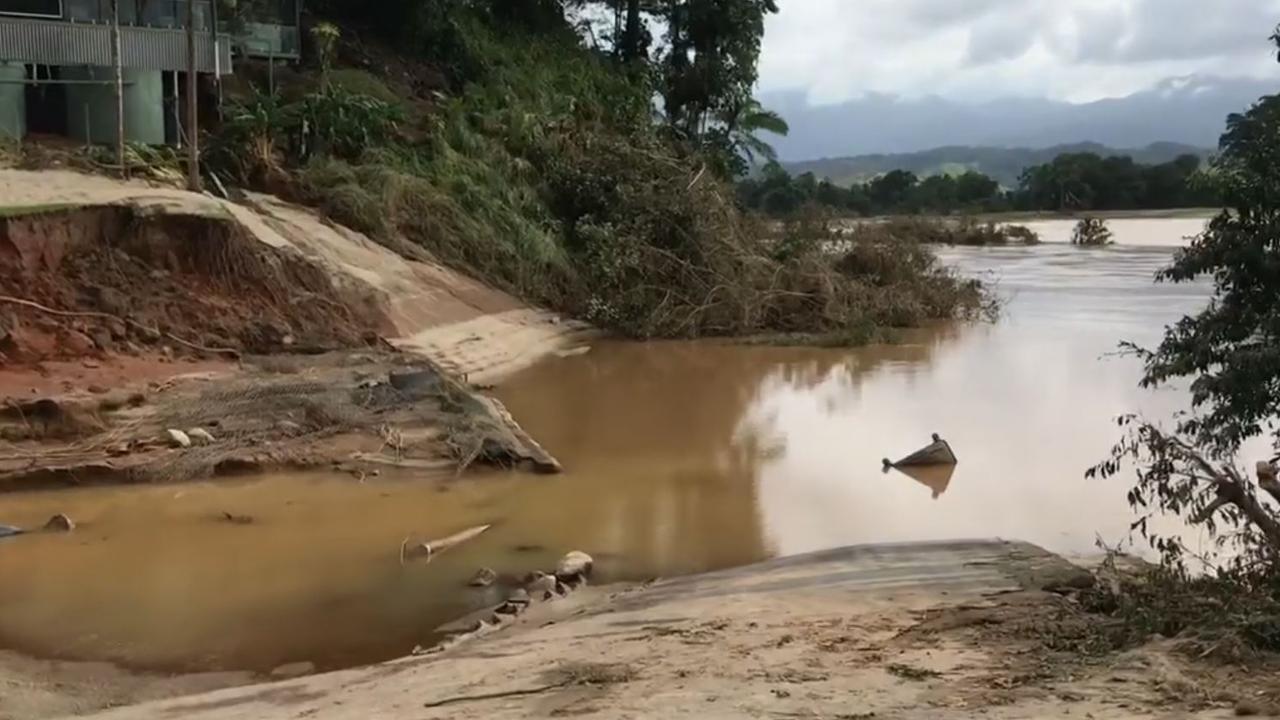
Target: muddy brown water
[(681, 457)]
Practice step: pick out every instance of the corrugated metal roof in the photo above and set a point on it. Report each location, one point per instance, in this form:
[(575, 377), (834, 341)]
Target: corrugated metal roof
[(61, 43)]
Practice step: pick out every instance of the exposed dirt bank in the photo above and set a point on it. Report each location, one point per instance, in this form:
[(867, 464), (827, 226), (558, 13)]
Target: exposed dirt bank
[(124, 310), (910, 631), (264, 335), (259, 276)]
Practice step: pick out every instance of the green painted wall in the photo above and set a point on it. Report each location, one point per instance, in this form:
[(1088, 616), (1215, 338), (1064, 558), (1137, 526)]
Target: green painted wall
[(13, 101), (143, 106)]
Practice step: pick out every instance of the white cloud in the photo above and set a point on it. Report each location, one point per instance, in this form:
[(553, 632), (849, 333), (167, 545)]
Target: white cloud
[(1076, 50)]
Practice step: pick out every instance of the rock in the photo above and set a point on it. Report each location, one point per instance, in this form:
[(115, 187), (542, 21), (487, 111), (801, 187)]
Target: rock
[(293, 670), (75, 342), (541, 584), (60, 523), (484, 577), (91, 364), (177, 438), (574, 565), (200, 436), (98, 390), (102, 338), (9, 530), (519, 596)]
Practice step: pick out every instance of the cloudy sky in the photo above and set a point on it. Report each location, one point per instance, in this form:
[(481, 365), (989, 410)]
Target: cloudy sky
[(1076, 50)]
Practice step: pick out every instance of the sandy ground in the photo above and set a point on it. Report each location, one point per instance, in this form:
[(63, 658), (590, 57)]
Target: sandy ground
[(942, 630)]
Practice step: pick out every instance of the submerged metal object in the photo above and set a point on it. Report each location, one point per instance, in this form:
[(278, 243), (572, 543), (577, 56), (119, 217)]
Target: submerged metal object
[(937, 452)]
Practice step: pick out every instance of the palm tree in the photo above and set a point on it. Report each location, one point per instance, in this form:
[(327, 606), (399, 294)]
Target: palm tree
[(745, 121)]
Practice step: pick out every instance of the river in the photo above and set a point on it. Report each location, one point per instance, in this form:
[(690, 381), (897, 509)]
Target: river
[(680, 457)]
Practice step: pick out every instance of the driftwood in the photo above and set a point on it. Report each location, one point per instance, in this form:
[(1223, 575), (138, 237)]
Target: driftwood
[(432, 548)]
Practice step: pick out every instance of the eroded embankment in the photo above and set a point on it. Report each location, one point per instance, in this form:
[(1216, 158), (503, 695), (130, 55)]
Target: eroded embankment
[(111, 278), (261, 343)]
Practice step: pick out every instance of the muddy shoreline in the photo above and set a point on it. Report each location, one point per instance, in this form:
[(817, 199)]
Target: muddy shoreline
[(150, 336)]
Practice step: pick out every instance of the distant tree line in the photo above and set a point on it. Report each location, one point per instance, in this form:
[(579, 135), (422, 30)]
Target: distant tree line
[(1071, 182)]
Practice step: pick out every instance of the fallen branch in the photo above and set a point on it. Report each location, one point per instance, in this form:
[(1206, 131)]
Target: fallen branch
[(496, 695), (109, 316), (430, 549)]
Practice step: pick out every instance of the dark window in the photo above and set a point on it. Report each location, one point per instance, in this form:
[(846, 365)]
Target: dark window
[(46, 8)]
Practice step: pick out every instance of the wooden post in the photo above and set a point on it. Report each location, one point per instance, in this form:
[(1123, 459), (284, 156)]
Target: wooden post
[(193, 122), (117, 68)]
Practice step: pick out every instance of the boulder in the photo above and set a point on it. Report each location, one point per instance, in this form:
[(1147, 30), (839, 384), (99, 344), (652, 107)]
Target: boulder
[(200, 436), (576, 564), (60, 523), (519, 596), (177, 438), (483, 578)]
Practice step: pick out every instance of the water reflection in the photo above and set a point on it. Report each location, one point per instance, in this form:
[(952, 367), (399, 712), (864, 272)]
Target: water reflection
[(935, 477)]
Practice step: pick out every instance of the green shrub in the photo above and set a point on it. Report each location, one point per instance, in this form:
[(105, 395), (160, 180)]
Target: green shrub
[(1091, 231)]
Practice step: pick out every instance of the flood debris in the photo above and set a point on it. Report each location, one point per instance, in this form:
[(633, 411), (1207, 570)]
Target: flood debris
[(236, 519), (177, 438), (200, 436), (937, 452), (428, 550), (59, 523)]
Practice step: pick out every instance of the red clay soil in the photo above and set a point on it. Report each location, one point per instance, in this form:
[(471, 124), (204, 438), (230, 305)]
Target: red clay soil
[(111, 373), (160, 285)]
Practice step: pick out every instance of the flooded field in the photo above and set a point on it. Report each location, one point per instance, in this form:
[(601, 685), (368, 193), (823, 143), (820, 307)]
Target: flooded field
[(680, 457)]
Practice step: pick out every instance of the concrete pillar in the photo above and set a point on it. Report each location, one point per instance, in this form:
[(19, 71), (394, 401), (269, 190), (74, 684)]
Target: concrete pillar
[(91, 115), (13, 100)]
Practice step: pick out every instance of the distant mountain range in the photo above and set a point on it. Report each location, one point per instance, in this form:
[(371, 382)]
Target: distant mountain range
[(1187, 111), (1003, 164)]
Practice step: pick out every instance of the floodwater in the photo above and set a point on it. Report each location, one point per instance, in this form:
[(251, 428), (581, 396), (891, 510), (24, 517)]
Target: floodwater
[(680, 457)]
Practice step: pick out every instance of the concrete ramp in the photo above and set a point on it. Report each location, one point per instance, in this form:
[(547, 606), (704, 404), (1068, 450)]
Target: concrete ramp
[(794, 637)]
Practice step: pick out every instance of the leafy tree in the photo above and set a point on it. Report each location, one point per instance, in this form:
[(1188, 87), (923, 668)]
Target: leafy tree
[(743, 123), (1230, 351), (709, 65), (890, 191)]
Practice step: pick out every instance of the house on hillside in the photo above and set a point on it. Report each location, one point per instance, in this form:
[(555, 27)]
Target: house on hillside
[(56, 74)]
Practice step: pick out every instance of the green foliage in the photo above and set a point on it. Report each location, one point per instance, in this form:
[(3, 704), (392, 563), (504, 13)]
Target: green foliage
[(547, 175), (1229, 351), (1003, 165), (1068, 182), (263, 134), (1091, 231), (1086, 181), (1233, 616), (1232, 348)]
